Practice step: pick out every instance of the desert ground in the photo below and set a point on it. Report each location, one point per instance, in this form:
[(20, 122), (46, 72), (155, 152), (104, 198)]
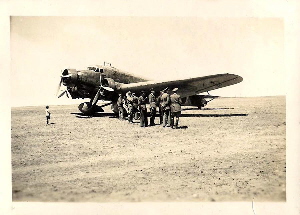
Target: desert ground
[(232, 150)]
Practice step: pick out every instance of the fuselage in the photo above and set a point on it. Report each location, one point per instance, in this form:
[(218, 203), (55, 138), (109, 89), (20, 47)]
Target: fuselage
[(106, 82)]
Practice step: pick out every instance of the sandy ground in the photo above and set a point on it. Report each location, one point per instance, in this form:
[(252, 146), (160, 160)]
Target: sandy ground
[(233, 150)]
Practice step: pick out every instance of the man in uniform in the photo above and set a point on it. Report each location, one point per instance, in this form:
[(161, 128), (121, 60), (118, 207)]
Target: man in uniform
[(129, 106), (120, 103), (160, 110), (176, 103), (135, 104), (152, 102), (143, 109), (165, 103)]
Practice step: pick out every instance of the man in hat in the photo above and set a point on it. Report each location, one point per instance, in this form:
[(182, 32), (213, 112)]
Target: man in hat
[(143, 109), (176, 103), (135, 104), (129, 100), (152, 102), (165, 103), (120, 103), (160, 110)]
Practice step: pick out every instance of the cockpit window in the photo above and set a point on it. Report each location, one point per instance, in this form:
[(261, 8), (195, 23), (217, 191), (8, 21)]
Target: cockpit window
[(96, 69)]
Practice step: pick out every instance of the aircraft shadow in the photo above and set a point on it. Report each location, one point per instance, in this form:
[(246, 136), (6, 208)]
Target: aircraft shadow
[(195, 108), (217, 108), (81, 115), (190, 108), (112, 115), (213, 115)]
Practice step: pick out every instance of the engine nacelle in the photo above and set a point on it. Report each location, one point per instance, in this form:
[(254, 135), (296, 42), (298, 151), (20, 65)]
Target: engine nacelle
[(195, 100), (109, 82), (69, 76)]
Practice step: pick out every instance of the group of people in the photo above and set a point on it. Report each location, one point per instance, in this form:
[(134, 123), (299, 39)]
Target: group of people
[(168, 104), (169, 107)]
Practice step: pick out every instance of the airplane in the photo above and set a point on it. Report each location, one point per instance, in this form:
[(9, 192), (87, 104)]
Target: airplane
[(105, 82)]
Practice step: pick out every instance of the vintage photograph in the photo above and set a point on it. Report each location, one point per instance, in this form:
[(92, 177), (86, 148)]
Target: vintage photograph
[(148, 109)]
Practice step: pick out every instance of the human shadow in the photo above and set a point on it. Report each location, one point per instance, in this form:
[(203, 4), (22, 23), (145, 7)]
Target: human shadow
[(182, 127), (160, 126), (213, 115)]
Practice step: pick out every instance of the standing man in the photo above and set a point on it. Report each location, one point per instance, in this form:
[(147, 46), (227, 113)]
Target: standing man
[(47, 114), (125, 106), (135, 103), (152, 102), (165, 103), (120, 103), (176, 103), (143, 109), (130, 106), (160, 110)]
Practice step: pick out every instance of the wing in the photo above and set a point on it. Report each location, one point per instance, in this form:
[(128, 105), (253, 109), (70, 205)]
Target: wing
[(187, 87)]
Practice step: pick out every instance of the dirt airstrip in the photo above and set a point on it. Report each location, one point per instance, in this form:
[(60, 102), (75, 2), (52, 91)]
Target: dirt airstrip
[(233, 150)]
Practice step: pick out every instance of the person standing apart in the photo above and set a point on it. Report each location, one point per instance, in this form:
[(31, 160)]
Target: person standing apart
[(47, 114), (165, 100), (143, 110), (152, 102), (176, 103)]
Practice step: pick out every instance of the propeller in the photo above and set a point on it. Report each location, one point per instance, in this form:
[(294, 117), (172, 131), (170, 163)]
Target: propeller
[(64, 92), (98, 92), (59, 87)]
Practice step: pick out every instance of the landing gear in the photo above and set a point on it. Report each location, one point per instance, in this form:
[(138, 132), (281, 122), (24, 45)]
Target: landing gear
[(203, 104), (88, 109), (114, 108)]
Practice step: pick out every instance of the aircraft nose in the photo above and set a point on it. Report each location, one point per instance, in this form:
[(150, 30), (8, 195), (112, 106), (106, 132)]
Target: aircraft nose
[(239, 79)]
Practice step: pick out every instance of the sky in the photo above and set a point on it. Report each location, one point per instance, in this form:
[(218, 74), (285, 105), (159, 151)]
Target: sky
[(156, 48)]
